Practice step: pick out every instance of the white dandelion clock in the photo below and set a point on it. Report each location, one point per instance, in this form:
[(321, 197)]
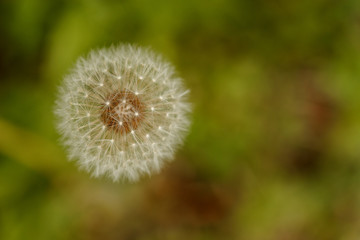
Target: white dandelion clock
[(122, 112)]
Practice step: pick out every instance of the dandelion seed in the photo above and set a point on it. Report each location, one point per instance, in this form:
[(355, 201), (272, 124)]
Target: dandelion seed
[(114, 139)]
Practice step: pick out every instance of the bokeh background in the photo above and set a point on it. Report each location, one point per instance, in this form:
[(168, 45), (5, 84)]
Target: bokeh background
[(274, 148)]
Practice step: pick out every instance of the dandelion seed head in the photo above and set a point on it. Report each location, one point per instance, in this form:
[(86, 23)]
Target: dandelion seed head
[(116, 112)]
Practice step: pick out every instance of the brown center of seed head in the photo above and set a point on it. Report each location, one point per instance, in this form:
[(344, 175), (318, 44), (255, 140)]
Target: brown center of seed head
[(123, 111)]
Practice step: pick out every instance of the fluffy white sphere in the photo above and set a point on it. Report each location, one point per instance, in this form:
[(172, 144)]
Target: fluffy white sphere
[(122, 112)]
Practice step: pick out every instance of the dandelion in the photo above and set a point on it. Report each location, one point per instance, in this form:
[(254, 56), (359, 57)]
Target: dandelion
[(122, 112)]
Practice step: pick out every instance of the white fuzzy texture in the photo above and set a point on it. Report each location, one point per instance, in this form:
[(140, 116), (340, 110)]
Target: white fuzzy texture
[(83, 95)]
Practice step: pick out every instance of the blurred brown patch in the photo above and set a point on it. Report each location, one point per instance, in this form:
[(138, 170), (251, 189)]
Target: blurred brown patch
[(184, 199), (317, 112)]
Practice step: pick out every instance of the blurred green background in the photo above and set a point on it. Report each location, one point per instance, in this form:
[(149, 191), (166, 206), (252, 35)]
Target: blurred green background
[(274, 148)]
